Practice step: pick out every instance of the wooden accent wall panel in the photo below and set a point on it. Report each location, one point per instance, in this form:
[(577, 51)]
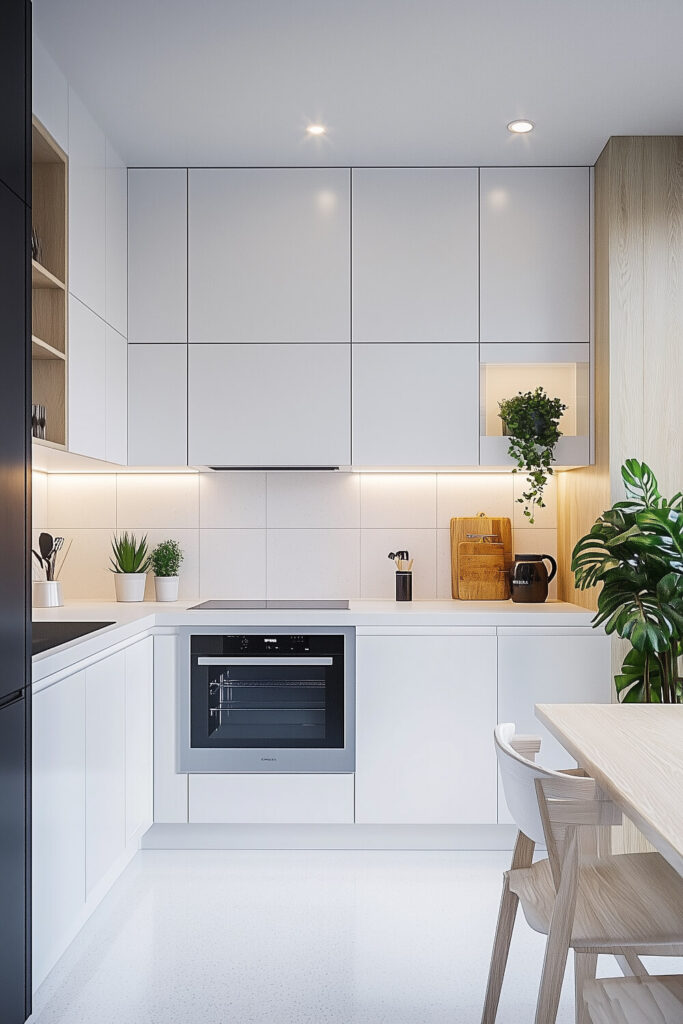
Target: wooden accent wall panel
[(638, 333)]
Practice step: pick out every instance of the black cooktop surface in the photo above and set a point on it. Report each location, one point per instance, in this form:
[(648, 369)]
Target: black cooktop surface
[(272, 605), (47, 635)]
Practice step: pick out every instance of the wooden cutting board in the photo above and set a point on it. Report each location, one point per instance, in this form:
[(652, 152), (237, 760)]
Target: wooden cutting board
[(482, 575), (498, 527)]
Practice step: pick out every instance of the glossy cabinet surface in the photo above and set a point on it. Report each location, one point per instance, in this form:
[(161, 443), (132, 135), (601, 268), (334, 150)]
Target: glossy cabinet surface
[(116, 402), (535, 254), (425, 712), (415, 254), (415, 405), (139, 661), (157, 255), (157, 405), (269, 405), (58, 819), (87, 207), (116, 263), (271, 799), (87, 396), (269, 254)]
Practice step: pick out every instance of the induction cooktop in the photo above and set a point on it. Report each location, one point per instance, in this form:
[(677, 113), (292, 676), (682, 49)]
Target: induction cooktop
[(271, 605)]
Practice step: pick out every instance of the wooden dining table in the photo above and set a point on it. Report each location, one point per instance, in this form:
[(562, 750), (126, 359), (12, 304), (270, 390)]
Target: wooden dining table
[(635, 753)]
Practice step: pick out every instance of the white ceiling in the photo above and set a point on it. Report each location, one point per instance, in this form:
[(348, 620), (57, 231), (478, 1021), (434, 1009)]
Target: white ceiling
[(234, 82)]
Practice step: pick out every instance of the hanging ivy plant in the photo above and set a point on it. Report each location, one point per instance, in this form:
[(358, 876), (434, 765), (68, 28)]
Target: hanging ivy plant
[(530, 420)]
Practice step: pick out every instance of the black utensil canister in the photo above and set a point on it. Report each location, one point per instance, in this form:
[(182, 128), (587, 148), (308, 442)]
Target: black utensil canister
[(404, 586)]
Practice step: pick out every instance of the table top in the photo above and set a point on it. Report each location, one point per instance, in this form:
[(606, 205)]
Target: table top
[(635, 753)]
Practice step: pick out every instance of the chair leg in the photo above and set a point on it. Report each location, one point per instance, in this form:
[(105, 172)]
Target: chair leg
[(499, 956), (521, 858), (631, 965), (559, 937), (585, 965)]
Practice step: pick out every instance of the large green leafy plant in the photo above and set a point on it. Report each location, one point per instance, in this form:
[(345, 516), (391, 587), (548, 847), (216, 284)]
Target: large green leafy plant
[(635, 549), (531, 421)]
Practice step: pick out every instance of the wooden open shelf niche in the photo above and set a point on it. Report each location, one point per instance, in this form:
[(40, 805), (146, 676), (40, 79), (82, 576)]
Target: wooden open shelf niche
[(49, 280)]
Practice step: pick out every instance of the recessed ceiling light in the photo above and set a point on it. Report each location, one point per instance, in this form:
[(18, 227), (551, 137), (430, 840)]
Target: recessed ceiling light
[(316, 129), (521, 127)]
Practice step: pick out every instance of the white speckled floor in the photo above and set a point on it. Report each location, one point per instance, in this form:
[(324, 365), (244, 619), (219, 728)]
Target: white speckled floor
[(295, 937)]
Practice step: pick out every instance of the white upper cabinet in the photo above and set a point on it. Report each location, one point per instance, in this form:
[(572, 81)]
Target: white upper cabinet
[(415, 404), (116, 299), (535, 254), (269, 405), (116, 402), (87, 382), (415, 254), (87, 207), (157, 255), (269, 254), (157, 405)]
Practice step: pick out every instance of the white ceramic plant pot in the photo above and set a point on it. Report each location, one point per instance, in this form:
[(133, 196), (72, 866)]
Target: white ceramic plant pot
[(130, 586), (47, 594), (166, 587)]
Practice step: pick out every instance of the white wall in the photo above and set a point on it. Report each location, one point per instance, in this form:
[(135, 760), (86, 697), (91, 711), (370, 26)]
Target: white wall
[(280, 535)]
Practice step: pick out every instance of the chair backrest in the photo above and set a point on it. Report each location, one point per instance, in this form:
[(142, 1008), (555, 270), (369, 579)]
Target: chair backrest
[(518, 773)]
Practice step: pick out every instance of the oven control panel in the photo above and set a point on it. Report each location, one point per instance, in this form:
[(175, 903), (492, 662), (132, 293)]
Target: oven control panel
[(251, 644)]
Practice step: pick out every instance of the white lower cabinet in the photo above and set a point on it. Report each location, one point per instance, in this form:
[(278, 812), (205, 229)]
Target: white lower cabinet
[(425, 713), (546, 666), (92, 791), (105, 767), (271, 799), (139, 697), (58, 820)]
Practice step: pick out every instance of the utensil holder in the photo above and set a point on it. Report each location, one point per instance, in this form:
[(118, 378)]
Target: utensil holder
[(404, 586)]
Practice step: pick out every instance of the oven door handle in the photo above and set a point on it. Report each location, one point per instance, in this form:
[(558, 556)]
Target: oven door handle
[(274, 660)]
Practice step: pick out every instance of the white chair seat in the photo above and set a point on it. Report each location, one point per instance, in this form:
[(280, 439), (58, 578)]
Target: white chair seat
[(641, 1000), (633, 900)]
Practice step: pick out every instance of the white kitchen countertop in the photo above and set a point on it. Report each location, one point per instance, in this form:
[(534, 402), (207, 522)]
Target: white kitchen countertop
[(131, 620)]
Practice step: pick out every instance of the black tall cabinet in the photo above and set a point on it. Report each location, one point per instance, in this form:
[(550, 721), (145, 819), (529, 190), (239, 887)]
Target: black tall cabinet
[(15, 456)]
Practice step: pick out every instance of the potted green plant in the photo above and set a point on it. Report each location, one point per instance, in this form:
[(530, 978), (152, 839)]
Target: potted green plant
[(530, 420), (166, 560), (129, 563), (635, 549)]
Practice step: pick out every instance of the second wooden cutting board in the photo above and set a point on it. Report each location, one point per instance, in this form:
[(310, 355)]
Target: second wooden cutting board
[(470, 528)]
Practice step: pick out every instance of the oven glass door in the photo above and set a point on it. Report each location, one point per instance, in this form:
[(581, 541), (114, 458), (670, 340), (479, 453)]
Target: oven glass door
[(268, 701)]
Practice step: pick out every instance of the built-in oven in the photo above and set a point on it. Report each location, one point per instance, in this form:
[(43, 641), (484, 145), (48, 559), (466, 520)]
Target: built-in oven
[(276, 701)]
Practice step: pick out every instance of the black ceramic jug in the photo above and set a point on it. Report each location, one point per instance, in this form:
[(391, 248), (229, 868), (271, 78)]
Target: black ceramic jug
[(529, 577)]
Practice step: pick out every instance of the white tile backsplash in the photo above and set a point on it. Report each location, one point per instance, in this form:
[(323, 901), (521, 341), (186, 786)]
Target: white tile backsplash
[(402, 500), (158, 500), (280, 535), (313, 563), (232, 501), (313, 501)]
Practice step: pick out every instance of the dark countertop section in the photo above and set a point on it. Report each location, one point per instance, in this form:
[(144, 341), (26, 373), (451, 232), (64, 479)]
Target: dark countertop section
[(47, 635)]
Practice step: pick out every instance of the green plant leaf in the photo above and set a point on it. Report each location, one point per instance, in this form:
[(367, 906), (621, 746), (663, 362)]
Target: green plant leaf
[(640, 482), (129, 555)]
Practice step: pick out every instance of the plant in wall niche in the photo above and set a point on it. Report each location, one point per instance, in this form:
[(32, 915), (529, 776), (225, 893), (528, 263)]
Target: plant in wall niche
[(635, 549), (130, 562), (530, 420), (166, 560)]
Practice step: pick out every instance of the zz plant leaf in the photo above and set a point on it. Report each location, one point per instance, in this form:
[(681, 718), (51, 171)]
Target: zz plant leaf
[(635, 550), (531, 420)]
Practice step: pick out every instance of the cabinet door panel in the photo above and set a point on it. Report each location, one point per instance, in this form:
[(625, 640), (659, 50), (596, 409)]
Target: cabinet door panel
[(116, 442), (157, 405), (415, 405), (535, 254), (105, 787), (157, 255), (415, 254), (87, 207), (549, 670), (87, 382), (269, 405), (58, 815), (269, 254), (271, 799), (426, 710), (116, 242), (139, 685)]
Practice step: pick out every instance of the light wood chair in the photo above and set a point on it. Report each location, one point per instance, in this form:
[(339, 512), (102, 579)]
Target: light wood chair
[(581, 896), (639, 1000)]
